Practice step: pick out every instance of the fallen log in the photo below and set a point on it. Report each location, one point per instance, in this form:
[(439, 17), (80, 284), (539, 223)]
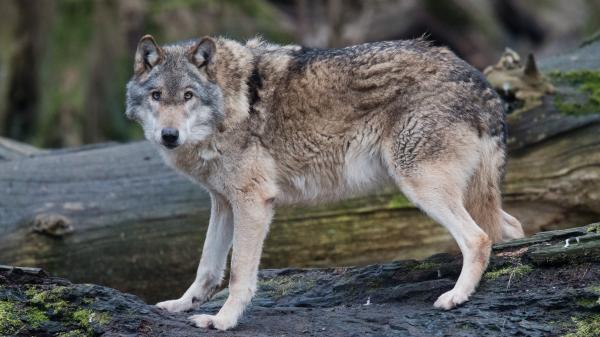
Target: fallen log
[(10, 149), (116, 215), (533, 287)]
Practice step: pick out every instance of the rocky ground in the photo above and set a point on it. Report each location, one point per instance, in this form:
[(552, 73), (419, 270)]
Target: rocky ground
[(538, 286)]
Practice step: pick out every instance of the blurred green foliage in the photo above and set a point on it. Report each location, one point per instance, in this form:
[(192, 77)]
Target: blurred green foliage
[(64, 64), (85, 57)]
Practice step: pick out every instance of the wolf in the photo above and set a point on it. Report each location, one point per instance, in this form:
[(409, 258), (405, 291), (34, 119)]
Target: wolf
[(260, 125)]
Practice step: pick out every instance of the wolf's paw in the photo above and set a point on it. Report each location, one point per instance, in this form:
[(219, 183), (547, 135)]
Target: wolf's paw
[(451, 299), (176, 305), (212, 322)]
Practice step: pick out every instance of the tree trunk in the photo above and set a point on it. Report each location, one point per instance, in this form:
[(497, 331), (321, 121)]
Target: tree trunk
[(117, 215), (23, 95)]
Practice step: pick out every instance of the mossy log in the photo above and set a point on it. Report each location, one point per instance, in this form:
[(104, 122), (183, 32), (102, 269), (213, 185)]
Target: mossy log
[(517, 297), (116, 215)]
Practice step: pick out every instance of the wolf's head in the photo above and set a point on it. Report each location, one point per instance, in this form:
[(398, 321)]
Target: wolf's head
[(176, 94)]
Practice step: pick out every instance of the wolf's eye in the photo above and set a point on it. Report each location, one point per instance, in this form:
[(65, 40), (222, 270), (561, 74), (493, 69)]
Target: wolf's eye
[(156, 95), (188, 95)]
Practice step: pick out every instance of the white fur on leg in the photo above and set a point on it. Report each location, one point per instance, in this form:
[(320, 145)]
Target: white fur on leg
[(194, 296), (213, 322), (228, 316), (451, 299), (212, 263), (178, 305), (248, 238)]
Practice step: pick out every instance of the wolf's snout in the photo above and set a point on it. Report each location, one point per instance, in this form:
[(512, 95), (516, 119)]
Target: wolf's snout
[(170, 137)]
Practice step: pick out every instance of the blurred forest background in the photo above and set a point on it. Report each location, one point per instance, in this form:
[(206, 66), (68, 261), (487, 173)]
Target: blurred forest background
[(64, 63)]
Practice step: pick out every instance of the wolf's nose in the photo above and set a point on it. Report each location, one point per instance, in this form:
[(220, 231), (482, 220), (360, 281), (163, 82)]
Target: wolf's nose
[(170, 136)]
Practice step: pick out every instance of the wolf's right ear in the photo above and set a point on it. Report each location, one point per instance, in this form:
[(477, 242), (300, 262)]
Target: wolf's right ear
[(202, 53), (147, 55)]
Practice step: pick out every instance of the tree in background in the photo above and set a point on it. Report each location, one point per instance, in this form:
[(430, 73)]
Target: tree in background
[(23, 94), (64, 63)]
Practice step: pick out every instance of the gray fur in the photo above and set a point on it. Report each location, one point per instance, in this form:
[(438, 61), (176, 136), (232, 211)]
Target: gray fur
[(286, 124)]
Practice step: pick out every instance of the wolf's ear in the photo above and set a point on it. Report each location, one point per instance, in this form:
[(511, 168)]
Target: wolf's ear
[(202, 53), (147, 55)]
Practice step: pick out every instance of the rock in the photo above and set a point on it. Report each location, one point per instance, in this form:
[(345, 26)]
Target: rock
[(536, 286)]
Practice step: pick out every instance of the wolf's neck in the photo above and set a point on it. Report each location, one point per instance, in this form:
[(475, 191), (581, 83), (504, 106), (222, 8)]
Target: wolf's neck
[(233, 65), (248, 76)]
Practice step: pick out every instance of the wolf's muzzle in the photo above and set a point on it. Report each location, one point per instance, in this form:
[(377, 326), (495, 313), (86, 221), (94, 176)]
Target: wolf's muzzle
[(170, 137)]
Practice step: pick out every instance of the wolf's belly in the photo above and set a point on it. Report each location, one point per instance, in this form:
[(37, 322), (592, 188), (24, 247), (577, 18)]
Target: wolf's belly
[(361, 172)]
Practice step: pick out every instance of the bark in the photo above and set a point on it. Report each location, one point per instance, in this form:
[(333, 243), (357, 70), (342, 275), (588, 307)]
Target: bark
[(10, 149), (533, 287), (116, 215)]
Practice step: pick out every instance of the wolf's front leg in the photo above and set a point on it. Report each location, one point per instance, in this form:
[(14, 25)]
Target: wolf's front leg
[(213, 260), (252, 218)]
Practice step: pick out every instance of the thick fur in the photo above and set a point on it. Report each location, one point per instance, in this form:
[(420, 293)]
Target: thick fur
[(271, 125)]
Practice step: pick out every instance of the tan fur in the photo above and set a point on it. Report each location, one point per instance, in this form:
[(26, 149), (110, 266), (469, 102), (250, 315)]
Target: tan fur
[(306, 126), (482, 198)]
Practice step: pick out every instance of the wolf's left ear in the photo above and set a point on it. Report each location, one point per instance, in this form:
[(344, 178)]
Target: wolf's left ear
[(147, 55), (203, 52)]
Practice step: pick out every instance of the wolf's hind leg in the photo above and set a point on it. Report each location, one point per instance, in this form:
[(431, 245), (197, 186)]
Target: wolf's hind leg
[(438, 190), (483, 199), (214, 257)]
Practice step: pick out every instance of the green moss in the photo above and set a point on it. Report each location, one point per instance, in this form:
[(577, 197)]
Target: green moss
[(9, 318), (517, 272), (426, 265), (82, 316), (32, 313), (35, 317), (86, 318), (578, 91), (586, 327), (72, 333), (595, 289), (49, 299), (14, 318), (279, 287), (346, 210), (595, 228), (399, 201), (587, 302)]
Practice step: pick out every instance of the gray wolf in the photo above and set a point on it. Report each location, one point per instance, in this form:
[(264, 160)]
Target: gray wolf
[(260, 125)]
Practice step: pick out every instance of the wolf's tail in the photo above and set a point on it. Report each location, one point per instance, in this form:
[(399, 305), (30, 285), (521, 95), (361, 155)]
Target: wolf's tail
[(483, 198)]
